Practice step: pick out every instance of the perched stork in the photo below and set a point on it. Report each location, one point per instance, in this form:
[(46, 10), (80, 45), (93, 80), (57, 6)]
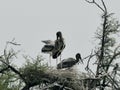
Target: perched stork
[(48, 48), (67, 63), (54, 48), (59, 46)]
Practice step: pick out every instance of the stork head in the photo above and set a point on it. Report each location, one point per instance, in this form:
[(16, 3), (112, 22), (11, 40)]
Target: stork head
[(78, 57), (59, 34)]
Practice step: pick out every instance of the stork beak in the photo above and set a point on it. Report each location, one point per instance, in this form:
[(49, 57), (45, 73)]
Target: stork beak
[(81, 61)]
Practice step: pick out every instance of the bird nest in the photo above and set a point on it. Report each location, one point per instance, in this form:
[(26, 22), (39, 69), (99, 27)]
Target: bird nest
[(73, 79), (67, 73)]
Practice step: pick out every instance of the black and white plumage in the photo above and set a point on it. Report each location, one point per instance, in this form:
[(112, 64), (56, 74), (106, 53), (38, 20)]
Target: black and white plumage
[(67, 63), (59, 46), (54, 48), (48, 42), (48, 47)]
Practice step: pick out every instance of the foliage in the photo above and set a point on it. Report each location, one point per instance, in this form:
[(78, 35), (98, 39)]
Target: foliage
[(33, 70)]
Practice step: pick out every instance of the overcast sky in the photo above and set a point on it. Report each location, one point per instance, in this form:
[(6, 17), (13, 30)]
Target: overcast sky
[(30, 21)]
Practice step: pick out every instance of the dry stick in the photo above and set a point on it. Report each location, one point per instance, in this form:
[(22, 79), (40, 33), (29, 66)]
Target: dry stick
[(104, 6), (108, 76), (13, 43), (110, 79), (93, 2), (113, 82), (52, 85), (89, 56), (87, 67)]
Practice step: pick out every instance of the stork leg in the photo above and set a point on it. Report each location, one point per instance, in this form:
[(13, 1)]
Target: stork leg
[(50, 60), (60, 60), (60, 57), (56, 61), (47, 62)]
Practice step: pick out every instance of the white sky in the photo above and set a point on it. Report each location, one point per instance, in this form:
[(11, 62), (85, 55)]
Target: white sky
[(31, 21)]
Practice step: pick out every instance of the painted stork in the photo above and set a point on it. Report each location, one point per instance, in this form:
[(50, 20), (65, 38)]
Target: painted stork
[(54, 48), (67, 63)]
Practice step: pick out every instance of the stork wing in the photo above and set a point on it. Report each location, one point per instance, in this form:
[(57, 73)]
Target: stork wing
[(66, 63), (55, 54), (59, 46), (48, 42), (47, 48), (68, 60)]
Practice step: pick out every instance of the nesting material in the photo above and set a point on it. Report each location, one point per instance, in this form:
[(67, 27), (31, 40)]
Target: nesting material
[(65, 73), (73, 79)]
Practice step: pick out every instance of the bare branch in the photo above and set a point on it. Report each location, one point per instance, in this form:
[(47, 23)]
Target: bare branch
[(87, 67), (99, 6), (90, 1), (54, 84), (14, 43), (93, 2), (116, 49), (89, 56), (113, 57), (104, 6)]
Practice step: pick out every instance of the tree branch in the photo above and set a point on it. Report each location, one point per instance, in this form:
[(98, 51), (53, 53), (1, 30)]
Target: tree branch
[(87, 67), (90, 1), (93, 2), (14, 70), (104, 6)]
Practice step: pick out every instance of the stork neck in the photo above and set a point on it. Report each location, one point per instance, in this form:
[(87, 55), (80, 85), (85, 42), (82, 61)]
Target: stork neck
[(59, 37), (77, 60)]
